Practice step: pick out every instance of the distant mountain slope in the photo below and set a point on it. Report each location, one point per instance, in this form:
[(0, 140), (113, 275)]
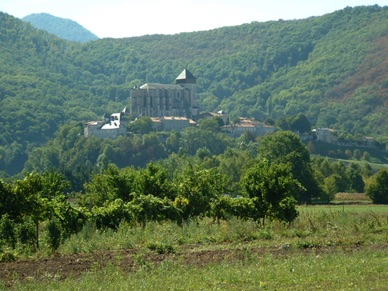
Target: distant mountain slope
[(332, 68), (271, 69), (61, 27)]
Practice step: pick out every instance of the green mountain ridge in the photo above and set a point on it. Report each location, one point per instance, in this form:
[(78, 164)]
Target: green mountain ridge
[(331, 68), (61, 27)]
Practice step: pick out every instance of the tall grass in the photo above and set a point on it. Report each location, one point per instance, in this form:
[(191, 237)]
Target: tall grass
[(323, 224)]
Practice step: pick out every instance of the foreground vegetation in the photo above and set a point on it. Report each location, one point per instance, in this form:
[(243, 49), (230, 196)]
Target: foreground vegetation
[(182, 189), (336, 247), (238, 185), (334, 270), (200, 210)]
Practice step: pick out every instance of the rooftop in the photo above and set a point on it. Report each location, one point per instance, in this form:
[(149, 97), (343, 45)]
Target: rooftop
[(186, 76), (161, 86)]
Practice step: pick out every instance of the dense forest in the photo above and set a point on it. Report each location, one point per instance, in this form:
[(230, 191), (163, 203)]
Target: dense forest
[(331, 68)]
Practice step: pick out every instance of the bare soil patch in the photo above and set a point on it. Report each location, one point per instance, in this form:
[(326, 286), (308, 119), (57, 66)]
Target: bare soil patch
[(60, 267)]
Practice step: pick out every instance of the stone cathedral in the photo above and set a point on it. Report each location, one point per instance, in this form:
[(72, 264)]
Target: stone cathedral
[(157, 100)]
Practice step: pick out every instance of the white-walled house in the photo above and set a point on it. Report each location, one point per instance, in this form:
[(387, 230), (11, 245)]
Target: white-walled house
[(111, 127)]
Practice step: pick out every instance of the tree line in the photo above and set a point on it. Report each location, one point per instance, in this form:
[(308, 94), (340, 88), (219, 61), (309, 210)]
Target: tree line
[(262, 187)]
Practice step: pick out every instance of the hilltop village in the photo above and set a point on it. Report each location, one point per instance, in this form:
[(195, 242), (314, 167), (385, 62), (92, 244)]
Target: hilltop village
[(171, 107)]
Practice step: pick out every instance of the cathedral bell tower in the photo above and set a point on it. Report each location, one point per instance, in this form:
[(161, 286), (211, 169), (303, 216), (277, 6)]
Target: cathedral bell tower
[(187, 80)]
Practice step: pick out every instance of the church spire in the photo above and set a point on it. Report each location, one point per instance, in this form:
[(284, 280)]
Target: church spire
[(186, 77)]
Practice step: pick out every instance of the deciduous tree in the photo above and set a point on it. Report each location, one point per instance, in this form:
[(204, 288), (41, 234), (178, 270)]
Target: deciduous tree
[(271, 188), (377, 188), (286, 147), (196, 189)]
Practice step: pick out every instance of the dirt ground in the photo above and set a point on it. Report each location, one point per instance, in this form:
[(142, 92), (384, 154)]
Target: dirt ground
[(65, 266)]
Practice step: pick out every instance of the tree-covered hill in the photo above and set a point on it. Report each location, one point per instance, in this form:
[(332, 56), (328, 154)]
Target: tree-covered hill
[(40, 89), (343, 82), (331, 68), (61, 27)]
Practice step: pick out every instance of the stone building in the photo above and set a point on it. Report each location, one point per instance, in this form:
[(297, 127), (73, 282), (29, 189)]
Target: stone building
[(325, 135), (171, 123), (111, 127), (248, 125), (156, 100), (210, 115)]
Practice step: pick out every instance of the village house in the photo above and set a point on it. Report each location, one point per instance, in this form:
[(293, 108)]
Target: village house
[(111, 127), (171, 107), (171, 123), (248, 125), (210, 115), (325, 135)]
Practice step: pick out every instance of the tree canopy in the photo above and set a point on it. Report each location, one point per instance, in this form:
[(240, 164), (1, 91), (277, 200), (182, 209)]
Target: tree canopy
[(377, 190), (286, 147)]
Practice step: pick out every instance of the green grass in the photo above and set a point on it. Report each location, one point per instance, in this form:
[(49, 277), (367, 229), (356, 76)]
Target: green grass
[(334, 247), (351, 198), (352, 222), (358, 209), (339, 270)]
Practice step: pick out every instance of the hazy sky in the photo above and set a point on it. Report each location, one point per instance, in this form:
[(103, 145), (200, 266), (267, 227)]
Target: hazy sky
[(126, 18)]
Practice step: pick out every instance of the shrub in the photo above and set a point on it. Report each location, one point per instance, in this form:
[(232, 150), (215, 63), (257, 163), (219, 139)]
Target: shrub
[(161, 248), (27, 235), (54, 234), (377, 188), (7, 257), (7, 232)]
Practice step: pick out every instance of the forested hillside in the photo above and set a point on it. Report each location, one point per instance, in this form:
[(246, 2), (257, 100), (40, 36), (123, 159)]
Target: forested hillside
[(61, 27), (331, 68)]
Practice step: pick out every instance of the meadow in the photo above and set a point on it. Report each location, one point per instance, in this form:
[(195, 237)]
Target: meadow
[(338, 247)]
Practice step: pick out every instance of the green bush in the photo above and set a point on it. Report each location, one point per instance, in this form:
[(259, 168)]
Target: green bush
[(377, 189), (54, 234), (7, 231), (7, 257), (26, 234), (161, 248)]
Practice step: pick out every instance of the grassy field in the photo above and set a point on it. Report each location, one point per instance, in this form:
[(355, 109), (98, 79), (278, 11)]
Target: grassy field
[(364, 269), (333, 247), (351, 198)]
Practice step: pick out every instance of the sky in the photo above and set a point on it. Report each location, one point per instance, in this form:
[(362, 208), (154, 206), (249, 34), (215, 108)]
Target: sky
[(128, 18)]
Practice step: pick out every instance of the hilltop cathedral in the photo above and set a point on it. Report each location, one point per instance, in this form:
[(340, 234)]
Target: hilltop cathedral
[(170, 107), (157, 100)]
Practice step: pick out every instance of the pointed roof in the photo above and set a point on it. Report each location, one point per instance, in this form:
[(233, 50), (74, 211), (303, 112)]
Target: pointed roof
[(186, 77)]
